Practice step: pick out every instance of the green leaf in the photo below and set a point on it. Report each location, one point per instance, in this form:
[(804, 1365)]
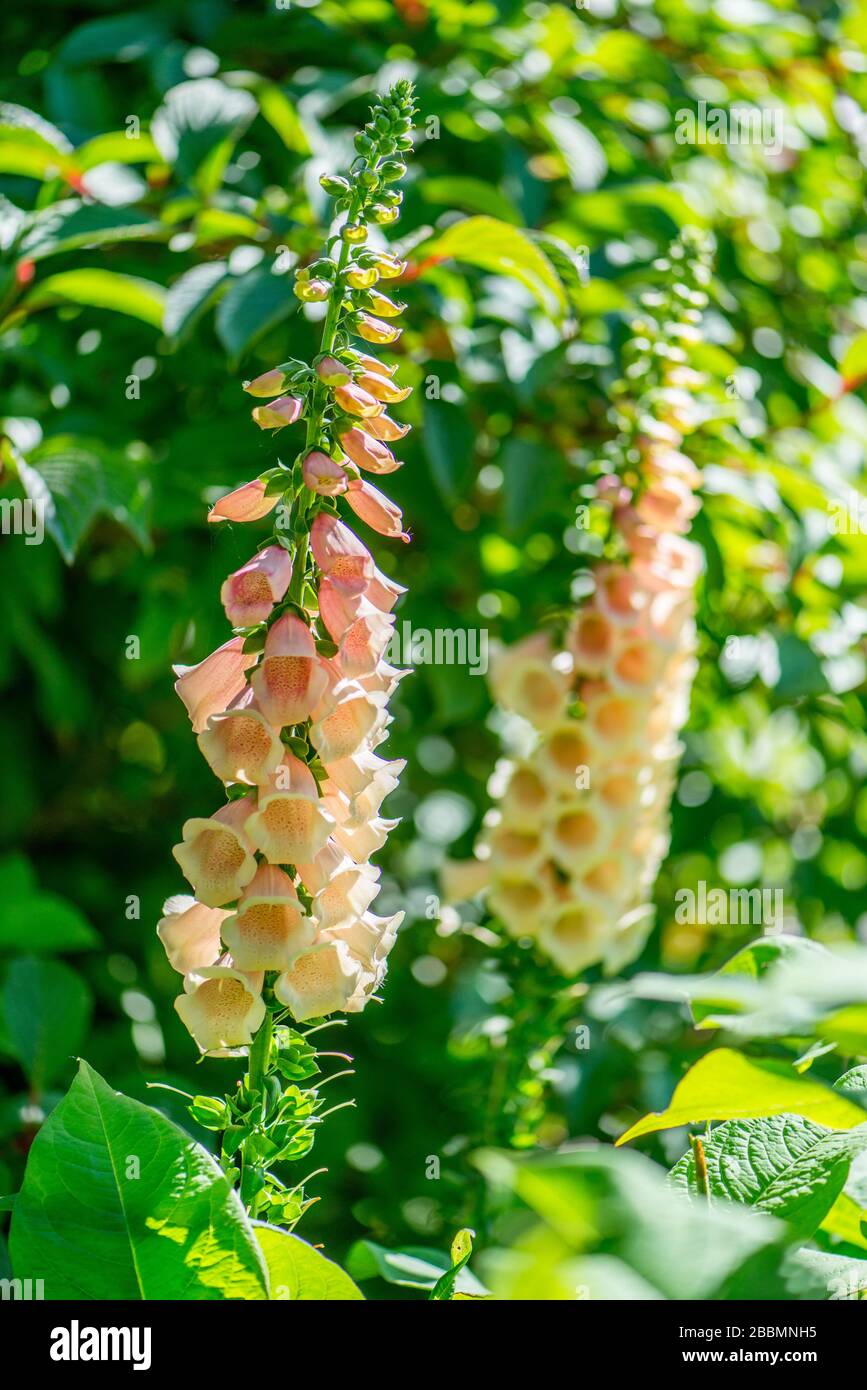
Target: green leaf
[(812, 1274), (46, 1010), (752, 962), (256, 303), (785, 1165), (29, 145), (44, 922), (727, 1086), (67, 225), (297, 1271), (123, 38), (100, 289), (853, 1083), (582, 154), (462, 1248), (279, 112), (74, 481), (847, 1220), (413, 1267), (470, 194), (593, 1201), (496, 246), (854, 364), (800, 668), (118, 1203), (197, 126), (116, 147), (191, 295)]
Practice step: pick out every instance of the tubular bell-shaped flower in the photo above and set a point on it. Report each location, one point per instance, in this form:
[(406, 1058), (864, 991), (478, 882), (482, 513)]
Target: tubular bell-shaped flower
[(289, 711), (571, 852)]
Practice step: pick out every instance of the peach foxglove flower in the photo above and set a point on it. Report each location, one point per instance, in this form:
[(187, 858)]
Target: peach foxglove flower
[(212, 685), (347, 894), (222, 1008), (367, 452), (356, 401), (278, 414), (270, 383), (319, 983), (464, 878), (216, 854), (250, 593), (526, 679), (376, 509), (290, 679), (371, 364), (240, 745), (363, 643), (190, 933), (270, 927), (345, 719), (383, 427), (290, 825), (353, 775), (245, 503), (575, 937)]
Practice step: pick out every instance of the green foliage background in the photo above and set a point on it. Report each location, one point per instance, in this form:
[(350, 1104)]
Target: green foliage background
[(559, 122)]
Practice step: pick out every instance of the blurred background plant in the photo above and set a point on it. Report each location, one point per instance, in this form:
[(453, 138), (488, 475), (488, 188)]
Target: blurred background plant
[(159, 175)]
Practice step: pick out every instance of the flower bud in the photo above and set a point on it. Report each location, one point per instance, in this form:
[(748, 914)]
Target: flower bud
[(356, 401), (382, 215), (353, 232), (381, 304), (374, 330), (311, 291), (382, 388), (322, 475), (332, 372), (270, 383), (389, 266), (284, 411), (334, 185), (362, 277)]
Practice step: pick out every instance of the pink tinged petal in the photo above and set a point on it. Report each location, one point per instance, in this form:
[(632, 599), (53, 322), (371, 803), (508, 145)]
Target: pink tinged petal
[(364, 642), (190, 933), (241, 746), (380, 513), (372, 364), (268, 383), (333, 372), (322, 475), (367, 452), (353, 775), (290, 679), (250, 593), (222, 1007), (383, 389), (340, 554), (346, 895), (216, 854), (356, 716), (338, 609), (320, 982), (284, 411), (270, 927), (464, 878), (383, 427), (212, 685), (356, 401), (245, 503)]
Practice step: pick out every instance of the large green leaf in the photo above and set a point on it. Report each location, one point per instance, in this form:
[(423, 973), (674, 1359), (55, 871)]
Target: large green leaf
[(100, 289), (785, 1165), (118, 1203), (503, 249), (30, 145), (449, 442), (74, 481), (297, 1271), (67, 225), (43, 922), (257, 302), (191, 295), (46, 1010), (197, 126), (813, 1274), (724, 1085)]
